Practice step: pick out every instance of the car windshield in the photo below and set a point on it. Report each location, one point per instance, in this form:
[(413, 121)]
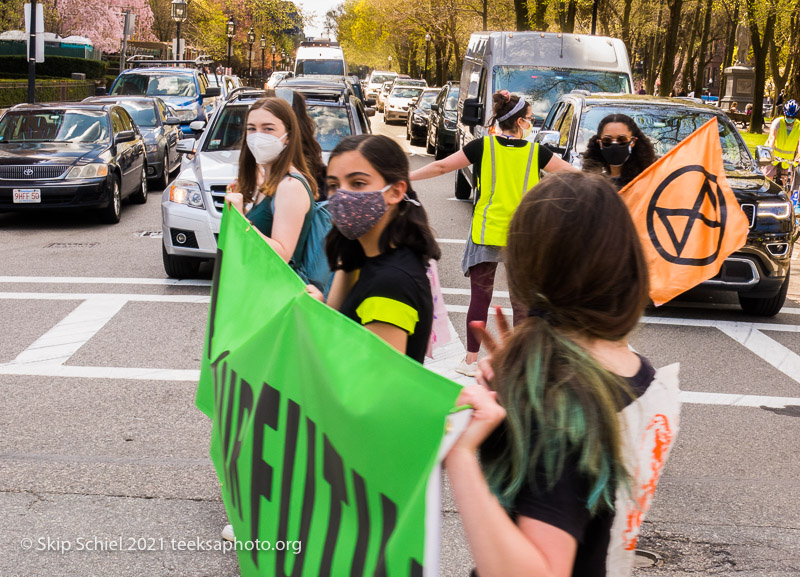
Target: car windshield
[(405, 92), (155, 85), (228, 129), (143, 113), (332, 124), (451, 103), (54, 126), (381, 78), (324, 67), (428, 97), (666, 126), (543, 86)]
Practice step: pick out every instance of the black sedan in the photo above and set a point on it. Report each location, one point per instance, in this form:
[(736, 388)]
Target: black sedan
[(441, 140), (161, 132), (759, 271), (417, 121), (71, 156)]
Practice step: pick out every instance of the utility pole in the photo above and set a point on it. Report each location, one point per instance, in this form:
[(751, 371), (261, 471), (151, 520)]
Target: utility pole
[(594, 17), (32, 55), (126, 16)]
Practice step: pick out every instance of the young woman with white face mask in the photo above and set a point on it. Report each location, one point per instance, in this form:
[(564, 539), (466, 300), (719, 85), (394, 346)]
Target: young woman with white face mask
[(505, 166), (380, 245), (274, 188)]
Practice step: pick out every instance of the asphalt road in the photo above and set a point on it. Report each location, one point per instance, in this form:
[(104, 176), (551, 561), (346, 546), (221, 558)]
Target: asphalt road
[(100, 439)]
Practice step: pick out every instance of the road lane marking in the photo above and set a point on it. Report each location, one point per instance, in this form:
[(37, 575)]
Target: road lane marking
[(101, 280), (451, 241), (196, 299)]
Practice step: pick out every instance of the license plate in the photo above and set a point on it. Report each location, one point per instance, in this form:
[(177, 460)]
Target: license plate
[(23, 195)]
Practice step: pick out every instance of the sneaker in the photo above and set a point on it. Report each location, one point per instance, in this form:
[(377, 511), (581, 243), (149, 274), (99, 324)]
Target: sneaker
[(469, 370), (227, 533)]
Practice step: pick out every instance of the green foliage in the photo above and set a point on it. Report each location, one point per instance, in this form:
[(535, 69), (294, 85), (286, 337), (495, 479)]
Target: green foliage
[(57, 66), (58, 90)]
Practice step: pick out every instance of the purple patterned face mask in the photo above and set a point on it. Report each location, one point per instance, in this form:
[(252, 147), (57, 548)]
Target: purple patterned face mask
[(355, 213)]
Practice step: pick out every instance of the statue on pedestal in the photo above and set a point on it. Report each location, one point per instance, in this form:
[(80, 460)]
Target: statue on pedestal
[(743, 44)]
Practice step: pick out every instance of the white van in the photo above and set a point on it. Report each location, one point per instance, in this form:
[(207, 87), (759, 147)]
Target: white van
[(540, 66), (320, 57)]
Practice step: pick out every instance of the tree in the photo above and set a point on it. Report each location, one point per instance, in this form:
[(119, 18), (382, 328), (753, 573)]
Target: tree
[(760, 48), (101, 21), (670, 46)]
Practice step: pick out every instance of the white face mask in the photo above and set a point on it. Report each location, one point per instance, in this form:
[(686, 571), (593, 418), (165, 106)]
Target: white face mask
[(265, 147)]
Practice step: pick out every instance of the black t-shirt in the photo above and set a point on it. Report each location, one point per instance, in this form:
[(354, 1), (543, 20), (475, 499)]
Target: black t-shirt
[(474, 152), (393, 288), (565, 505)]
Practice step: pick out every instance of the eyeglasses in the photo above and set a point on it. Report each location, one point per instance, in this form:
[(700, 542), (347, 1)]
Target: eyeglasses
[(621, 139)]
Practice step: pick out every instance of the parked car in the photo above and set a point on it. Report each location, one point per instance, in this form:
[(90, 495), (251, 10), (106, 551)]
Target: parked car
[(759, 271), (277, 76), (187, 90), (225, 82), (375, 82), (417, 121), (383, 94), (71, 156), (159, 129), (398, 102), (192, 205), (442, 138)]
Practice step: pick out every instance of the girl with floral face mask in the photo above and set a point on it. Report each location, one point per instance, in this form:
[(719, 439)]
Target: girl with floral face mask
[(380, 245), (274, 188)]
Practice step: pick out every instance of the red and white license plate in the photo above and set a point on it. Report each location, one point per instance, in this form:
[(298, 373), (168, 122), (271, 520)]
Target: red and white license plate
[(24, 195)]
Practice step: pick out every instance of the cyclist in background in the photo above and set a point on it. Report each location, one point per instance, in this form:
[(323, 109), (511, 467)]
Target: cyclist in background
[(784, 137)]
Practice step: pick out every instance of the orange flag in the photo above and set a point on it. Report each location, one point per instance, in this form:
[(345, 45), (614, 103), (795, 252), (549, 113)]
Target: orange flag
[(686, 214)]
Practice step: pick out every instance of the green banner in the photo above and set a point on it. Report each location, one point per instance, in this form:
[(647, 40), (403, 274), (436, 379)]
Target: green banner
[(324, 438)]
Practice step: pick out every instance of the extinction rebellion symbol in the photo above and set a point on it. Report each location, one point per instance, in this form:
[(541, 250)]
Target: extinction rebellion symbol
[(698, 244)]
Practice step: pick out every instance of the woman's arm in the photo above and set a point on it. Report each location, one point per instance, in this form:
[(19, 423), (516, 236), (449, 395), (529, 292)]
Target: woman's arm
[(453, 162), (393, 335), (558, 164), (340, 287), (499, 546), (291, 204)]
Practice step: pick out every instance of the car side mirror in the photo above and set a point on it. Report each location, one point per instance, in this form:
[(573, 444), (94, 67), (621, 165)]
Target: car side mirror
[(370, 102), (369, 111), (186, 145), (212, 91), (125, 136), (764, 155), (434, 108), (172, 121), (551, 139), (472, 112), (198, 125)]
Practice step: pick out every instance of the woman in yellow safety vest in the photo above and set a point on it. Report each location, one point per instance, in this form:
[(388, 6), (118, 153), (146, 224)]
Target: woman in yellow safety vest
[(505, 167), (784, 137)]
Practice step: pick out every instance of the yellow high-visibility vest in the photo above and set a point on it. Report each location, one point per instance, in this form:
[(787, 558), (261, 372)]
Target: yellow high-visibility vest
[(507, 173), (786, 142)]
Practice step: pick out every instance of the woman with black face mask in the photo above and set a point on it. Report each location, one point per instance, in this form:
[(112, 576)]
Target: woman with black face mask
[(619, 149)]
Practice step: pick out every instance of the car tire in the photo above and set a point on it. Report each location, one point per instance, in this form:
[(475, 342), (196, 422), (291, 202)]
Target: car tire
[(163, 180), (428, 146), (180, 266), (140, 196), (438, 152), (765, 307), (111, 213), (408, 133), (463, 189)]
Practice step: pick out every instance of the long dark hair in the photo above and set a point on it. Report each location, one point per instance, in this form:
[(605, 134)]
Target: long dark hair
[(312, 151), (503, 103), (292, 154), (642, 153), (575, 262), (408, 228)]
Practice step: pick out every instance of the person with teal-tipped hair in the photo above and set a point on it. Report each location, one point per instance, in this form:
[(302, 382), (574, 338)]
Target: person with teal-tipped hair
[(572, 425)]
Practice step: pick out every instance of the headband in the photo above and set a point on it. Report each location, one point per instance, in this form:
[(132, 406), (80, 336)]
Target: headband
[(517, 107)]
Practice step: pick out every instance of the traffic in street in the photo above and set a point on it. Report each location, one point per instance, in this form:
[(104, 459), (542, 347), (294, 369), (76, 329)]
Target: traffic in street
[(101, 439)]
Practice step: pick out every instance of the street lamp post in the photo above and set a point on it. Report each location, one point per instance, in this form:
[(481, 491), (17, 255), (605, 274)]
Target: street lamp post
[(390, 62), (283, 59), (230, 32), (274, 49), (263, 44), (427, 51), (178, 13), (251, 39)]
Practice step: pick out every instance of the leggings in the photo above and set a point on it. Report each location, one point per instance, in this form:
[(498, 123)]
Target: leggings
[(481, 280)]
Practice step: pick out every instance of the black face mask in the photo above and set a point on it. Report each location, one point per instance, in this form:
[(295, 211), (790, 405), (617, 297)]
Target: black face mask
[(616, 154)]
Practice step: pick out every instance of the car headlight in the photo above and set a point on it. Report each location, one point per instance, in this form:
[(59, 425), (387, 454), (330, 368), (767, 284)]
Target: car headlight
[(186, 114), (777, 210), (450, 124), (186, 192), (418, 119), (93, 170), (151, 148)]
